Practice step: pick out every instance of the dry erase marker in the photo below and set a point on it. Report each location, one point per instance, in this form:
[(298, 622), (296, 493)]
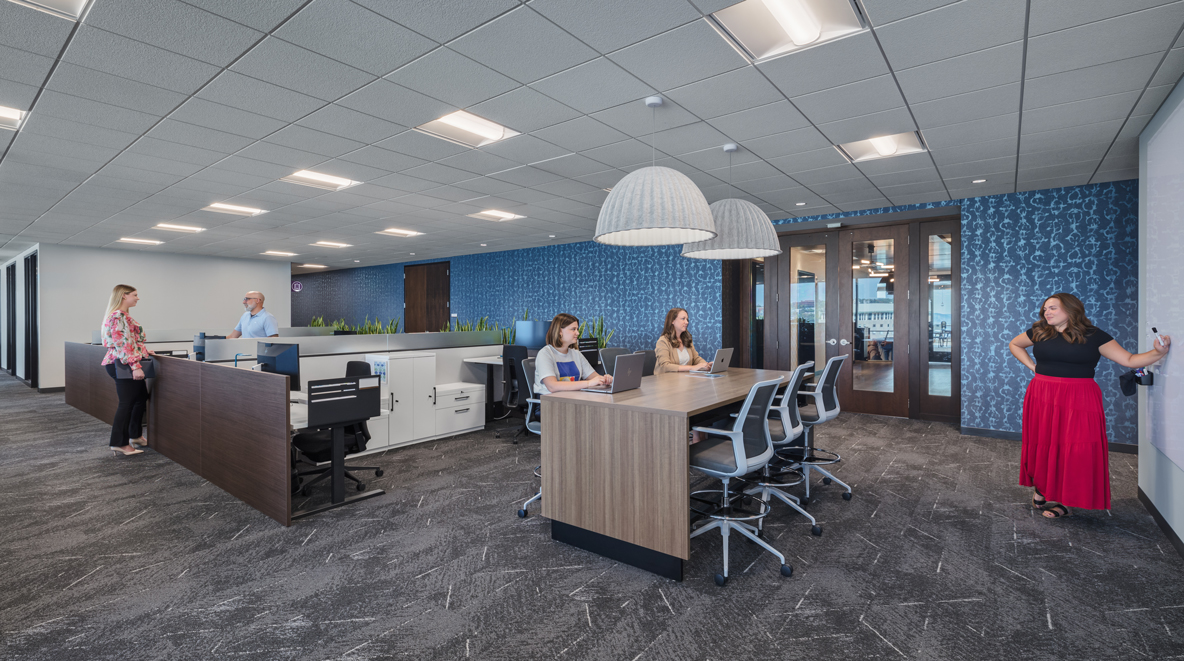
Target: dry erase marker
[(1157, 335)]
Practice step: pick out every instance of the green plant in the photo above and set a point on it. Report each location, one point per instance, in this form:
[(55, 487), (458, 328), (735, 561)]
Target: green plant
[(317, 322), (340, 325), (392, 326), (597, 330)]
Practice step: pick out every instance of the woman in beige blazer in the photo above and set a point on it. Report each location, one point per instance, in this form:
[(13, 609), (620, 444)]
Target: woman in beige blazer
[(675, 351)]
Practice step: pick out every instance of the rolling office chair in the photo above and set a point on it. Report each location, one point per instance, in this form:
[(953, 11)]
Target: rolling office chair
[(728, 454), (512, 397), (608, 358), (651, 360), (317, 446), (824, 408), (533, 424), (785, 427)]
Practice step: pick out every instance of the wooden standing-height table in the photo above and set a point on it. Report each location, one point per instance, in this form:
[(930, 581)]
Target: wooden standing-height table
[(616, 467)]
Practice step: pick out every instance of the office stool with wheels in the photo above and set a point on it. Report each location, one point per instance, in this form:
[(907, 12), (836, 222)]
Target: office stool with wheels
[(534, 424), (732, 453), (317, 446), (824, 408), (785, 426)]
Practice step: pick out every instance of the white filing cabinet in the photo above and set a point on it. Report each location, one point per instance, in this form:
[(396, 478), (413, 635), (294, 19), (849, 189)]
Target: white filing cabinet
[(408, 385), (460, 407)]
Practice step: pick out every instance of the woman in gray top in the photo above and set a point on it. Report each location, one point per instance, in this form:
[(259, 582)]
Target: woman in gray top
[(559, 365)]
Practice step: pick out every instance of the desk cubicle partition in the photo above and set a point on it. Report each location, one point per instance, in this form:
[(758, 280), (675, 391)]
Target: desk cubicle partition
[(230, 426)]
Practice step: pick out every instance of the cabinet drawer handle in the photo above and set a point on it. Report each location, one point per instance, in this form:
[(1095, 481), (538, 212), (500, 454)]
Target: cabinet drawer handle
[(459, 411), (461, 399)]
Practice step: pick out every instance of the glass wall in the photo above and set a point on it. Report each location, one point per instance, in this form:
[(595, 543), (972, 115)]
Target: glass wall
[(873, 292), (940, 315)]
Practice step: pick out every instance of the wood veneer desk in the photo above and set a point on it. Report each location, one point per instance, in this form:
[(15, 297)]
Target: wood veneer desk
[(615, 467)]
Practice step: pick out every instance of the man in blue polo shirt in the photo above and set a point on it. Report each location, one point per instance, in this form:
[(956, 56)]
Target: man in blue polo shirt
[(256, 321)]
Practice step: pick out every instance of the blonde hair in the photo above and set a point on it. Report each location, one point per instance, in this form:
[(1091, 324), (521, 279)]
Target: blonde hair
[(117, 295)]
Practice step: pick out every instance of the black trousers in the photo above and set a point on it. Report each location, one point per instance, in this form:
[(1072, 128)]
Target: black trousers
[(129, 417)]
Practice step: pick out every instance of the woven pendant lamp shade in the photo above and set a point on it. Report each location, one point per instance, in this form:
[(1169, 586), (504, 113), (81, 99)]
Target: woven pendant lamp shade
[(654, 206), (745, 232)]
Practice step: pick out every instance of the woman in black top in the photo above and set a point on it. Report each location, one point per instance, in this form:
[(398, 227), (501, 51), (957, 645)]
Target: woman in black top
[(1065, 456)]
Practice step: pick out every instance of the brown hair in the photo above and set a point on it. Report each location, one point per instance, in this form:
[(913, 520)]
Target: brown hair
[(668, 330), (561, 321), (1075, 330), (117, 295)]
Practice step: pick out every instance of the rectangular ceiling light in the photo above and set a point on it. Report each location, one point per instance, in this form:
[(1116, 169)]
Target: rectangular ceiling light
[(332, 244), (147, 242), (277, 253), (883, 146), (233, 210), (11, 118), (495, 215), (466, 129), (179, 228), (313, 266), (318, 180), (67, 9), (398, 232), (764, 29)]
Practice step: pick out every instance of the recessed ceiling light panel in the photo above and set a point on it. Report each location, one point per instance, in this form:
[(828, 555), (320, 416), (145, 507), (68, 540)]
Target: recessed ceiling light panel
[(313, 266), (318, 180), (466, 129), (332, 244), (495, 215), (146, 242), (883, 146), (394, 231), (277, 253), (11, 118), (764, 29), (179, 228), (233, 209), (67, 9)]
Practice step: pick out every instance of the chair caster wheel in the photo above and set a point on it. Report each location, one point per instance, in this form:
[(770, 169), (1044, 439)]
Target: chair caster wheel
[(306, 492), (361, 487), (521, 514), (816, 531), (847, 495), (786, 570), (721, 580), (826, 480), (805, 502), (378, 473)]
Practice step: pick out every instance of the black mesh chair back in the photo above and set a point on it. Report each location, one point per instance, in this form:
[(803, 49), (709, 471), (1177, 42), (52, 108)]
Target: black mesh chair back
[(360, 432), (786, 410), (651, 360), (608, 358), (512, 354), (754, 425)]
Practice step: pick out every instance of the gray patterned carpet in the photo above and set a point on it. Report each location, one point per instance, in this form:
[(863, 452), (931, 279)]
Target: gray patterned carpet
[(937, 557)]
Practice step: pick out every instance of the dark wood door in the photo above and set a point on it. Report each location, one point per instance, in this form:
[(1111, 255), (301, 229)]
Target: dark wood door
[(800, 318), (32, 328), (10, 321), (873, 300), (936, 374), (426, 297)]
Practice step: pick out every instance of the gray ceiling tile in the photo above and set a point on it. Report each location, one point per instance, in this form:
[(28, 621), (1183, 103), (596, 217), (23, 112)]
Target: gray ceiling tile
[(569, 188), (1092, 152), (962, 174), (24, 67), (1053, 15), (523, 45), (1069, 137), (858, 188), (175, 151), (758, 122), (421, 145), (726, 93), (31, 30), (785, 144), (239, 91), (572, 165), (965, 107), (478, 162), (635, 119), (888, 122), (904, 163), (95, 85), (255, 168), (979, 130), (394, 103), (715, 158), (838, 62), (486, 186), (882, 12), (525, 149), (17, 95), (441, 20), (201, 112), (1172, 68), (738, 173), (1086, 83), (528, 195), (1134, 126), (878, 202), (453, 193), (603, 179), (317, 142), (1153, 98), (524, 110), (935, 191), (952, 30), (830, 174), (1085, 169), (1088, 111), (175, 26), (593, 86), (1114, 175), (347, 123), (1131, 35), (356, 36), (154, 164), (198, 136), (607, 26), (966, 73), (526, 176), (295, 68), (810, 160), (852, 100), (296, 159), (441, 174), (262, 16), (110, 53), (759, 187), (689, 138), (446, 75), (42, 124), (681, 56), (977, 152), (920, 180)]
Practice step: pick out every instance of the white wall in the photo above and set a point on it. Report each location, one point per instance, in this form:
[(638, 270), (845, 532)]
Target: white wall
[(1161, 216), (176, 291)]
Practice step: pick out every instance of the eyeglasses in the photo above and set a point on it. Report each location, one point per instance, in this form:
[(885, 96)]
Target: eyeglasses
[(249, 298)]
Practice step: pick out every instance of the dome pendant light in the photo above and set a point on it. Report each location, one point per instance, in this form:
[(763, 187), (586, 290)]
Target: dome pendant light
[(654, 206), (744, 231)]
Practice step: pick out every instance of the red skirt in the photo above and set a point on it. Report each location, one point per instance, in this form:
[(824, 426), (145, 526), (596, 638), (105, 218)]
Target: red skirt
[(1065, 453)]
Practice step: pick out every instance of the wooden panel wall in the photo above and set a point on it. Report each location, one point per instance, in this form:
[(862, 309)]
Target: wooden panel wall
[(174, 419), (88, 386)]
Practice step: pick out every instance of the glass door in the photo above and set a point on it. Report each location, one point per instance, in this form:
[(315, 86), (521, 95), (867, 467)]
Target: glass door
[(800, 317), (937, 370), (873, 320)]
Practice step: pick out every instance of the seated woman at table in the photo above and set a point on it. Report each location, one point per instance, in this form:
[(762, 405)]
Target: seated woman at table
[(675, 352), (560, 365)]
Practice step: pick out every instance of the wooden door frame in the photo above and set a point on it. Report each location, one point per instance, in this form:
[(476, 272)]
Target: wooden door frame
[(418, 298), (736, 305), (777, 315), (922, 405)]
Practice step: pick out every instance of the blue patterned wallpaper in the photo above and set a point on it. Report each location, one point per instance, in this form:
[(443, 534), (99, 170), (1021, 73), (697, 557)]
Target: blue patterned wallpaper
[(1016, 249)]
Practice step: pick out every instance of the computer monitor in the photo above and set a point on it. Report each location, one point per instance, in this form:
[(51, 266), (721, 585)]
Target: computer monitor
[(280, 359)]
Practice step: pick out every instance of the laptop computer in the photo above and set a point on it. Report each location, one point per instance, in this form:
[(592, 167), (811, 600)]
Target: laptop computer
[(718, 366), (626, 374)]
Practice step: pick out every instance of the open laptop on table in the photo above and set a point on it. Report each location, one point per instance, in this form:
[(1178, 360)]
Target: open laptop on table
[(718, 366), (626, 374)]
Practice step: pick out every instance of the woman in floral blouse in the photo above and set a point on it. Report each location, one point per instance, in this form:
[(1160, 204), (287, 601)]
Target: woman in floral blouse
[(124, 340)]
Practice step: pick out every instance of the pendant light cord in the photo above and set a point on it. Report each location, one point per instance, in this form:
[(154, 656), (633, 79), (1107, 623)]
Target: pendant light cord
[(653, 130)]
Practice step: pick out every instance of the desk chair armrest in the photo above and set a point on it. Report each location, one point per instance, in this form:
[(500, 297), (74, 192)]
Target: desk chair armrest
[(816, 395), (534, 401), (737, 438)]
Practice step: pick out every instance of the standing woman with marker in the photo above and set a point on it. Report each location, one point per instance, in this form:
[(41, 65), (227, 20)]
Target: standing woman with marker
[(124, 340), (1065, 454)]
